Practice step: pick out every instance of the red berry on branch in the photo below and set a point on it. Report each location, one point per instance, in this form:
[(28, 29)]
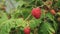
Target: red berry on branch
[(27, 30), (53, 12), (36, 12)]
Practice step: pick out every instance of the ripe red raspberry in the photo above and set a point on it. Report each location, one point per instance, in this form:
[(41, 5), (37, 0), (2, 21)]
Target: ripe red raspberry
[(27, 30), (36, 12), (53, 12)]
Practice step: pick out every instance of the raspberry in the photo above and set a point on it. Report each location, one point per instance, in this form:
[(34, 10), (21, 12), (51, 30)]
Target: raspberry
[(27, 30), (53, 12), (36, 12)]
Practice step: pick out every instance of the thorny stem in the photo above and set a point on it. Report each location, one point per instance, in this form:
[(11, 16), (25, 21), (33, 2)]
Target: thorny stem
[(22, 14), (35, 3), (28, 16)]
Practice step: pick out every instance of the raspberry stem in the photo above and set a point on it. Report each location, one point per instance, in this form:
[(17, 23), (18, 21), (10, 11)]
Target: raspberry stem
[(28, 17)]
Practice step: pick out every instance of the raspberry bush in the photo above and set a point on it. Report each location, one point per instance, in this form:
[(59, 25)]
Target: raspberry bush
[(29, 16)]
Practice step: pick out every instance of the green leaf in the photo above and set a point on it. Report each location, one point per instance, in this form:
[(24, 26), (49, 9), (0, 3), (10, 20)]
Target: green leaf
[(34, 23), (25, 12), (46, 28), (3, 17), (7, 25)]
